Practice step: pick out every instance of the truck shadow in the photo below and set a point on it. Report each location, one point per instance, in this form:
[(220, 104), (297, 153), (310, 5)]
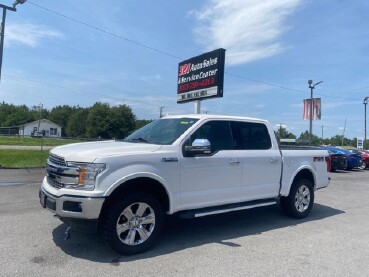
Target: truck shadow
[(181, 234)]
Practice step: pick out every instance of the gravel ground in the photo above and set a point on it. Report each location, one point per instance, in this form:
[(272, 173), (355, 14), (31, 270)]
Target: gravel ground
[(23, 147)]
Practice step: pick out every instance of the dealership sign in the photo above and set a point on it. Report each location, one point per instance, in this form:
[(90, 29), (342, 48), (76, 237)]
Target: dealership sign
[(360, 143), (201, 77)]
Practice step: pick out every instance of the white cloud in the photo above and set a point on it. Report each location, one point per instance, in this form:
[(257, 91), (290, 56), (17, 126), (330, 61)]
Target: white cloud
[(29, 34), (249, 30), (277, 126)]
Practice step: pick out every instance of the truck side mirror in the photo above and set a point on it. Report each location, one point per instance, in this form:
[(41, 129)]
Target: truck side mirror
[(199, 146)]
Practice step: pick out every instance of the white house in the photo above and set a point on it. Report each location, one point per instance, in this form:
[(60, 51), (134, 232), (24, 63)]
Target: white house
[(41, 127)]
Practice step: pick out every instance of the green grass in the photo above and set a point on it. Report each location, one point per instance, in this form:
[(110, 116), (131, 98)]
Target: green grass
[(27, 158), (27, 141), (22, 158)]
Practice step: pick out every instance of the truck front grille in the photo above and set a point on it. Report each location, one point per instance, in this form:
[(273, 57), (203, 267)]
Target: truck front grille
[(55, 183), (59, 175), (56, 160)]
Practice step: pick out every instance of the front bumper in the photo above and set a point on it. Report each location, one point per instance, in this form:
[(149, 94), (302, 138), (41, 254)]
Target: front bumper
[(70, 206)]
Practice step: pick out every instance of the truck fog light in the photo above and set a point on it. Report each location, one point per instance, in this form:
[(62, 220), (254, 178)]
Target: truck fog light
[(71, 206)]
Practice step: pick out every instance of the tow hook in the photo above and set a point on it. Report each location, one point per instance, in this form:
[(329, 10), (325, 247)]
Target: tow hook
[(67, 233)]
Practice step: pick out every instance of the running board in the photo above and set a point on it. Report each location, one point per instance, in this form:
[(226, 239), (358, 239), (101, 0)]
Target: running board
[(227, 208)]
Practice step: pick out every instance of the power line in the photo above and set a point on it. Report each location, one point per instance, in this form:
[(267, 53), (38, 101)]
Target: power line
[(179, 58), (81, 91), (265, 83), (104, 31), (152, 48)]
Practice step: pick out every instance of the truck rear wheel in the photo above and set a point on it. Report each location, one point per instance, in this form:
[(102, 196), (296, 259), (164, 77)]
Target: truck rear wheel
[(133, 224), (299, 202)]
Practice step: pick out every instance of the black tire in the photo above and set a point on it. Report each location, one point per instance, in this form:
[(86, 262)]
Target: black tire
[(129, 213), (363, 165), (299, 202)]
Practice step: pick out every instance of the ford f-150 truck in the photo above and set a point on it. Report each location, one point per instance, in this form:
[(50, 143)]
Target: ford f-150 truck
[(192, 166)]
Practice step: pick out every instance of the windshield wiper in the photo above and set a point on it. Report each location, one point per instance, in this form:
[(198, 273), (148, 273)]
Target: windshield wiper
[(137, 140)]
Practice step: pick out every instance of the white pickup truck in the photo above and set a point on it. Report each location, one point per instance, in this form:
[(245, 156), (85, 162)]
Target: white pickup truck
[(192, 166)]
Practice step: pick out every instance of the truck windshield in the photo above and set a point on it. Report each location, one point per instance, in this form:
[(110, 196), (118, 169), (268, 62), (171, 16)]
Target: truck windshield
[(161, 131)]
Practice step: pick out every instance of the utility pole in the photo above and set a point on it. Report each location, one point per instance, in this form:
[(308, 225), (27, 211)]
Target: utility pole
[(161, 112), (311, 107), (366, 99), (39, 121), (343, 134), (2, 29)]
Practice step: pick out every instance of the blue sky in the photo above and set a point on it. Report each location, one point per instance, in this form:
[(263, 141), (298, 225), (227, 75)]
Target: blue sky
[(55, 53)]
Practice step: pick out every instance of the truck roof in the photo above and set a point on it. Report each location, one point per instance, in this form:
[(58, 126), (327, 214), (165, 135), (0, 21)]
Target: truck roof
[(212, 116)]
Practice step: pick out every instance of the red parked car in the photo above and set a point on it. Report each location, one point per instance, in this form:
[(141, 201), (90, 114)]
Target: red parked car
[(365, 157)]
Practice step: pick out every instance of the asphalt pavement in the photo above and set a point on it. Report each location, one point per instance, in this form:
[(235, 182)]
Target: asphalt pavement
[(332, 241), (16, 176)]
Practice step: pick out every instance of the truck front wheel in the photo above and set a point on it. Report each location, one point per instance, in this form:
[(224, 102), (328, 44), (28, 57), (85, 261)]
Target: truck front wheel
[(299, 202), (133, 224)]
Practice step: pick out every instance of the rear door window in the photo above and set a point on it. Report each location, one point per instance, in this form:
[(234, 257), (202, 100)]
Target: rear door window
[(250, 136)]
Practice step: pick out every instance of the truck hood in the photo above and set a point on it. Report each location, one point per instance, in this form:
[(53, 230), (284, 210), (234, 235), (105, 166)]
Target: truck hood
[(90, 151)]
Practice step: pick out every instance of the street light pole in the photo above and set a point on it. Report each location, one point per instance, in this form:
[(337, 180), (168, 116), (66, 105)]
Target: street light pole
[(311, 107), (2, 29), (322, 132), (366, 99)]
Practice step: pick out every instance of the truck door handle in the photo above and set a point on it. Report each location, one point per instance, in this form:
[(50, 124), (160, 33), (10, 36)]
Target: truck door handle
[(273, 160), (234, 162)]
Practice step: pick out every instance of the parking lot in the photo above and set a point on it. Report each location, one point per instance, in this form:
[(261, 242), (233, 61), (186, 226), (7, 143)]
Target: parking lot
[(332, 241)]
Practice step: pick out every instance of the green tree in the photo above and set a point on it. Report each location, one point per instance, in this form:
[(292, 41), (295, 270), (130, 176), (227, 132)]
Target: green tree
[(336, 140), (36, 114), (60, 115), (5, 111), (11, 115), (142, 122), (76, 126), (304, 137), (282, 133), (121, 121), (98, 121)]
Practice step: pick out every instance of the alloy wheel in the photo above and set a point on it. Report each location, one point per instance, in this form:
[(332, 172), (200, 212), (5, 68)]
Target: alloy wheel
[(135, 224), (302, 198)]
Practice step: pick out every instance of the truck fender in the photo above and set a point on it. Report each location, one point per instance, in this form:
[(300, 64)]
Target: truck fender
[(125, 177), (302, 172)]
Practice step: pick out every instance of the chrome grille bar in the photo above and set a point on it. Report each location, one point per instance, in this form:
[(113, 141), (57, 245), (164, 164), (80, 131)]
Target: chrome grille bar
[(57, 160), (59, 174)]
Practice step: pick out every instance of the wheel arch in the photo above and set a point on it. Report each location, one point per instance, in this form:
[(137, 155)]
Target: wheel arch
[(138, 184), (304, 173), (294, 204)]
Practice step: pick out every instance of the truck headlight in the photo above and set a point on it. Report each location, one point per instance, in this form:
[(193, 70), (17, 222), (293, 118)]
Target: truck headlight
[(87, 175)]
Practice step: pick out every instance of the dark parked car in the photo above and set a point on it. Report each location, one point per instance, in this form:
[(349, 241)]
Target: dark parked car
[(338, 160), (353, 158)]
